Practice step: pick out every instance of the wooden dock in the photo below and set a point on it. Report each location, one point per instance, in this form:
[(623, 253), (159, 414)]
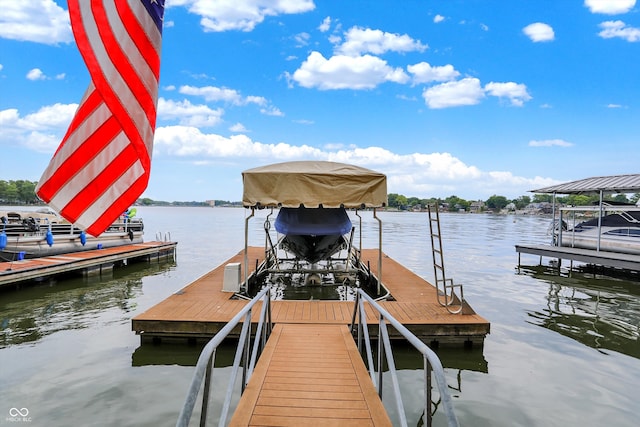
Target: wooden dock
[(589, 256), (201, 309), (310, 375), (92, 262)]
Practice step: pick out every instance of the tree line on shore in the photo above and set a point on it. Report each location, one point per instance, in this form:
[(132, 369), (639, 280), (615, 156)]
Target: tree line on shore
[(497, 203), (23, 192)]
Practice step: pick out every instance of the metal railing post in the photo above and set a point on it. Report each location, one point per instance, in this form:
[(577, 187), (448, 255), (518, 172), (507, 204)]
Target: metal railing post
[(207, 357), (432, 365)]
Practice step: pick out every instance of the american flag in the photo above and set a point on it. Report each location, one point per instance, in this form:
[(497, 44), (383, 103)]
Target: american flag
[(102, 165)]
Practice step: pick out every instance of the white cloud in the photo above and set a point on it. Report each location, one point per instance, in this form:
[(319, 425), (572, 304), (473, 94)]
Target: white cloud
[(550, 143), (302, 39), (40, 21), (189, 114), (188, 141), (272, 111), (417, 174), (346, 72), (517, 93), (420, 174), (50, 117), (222, 94), (539, 32), (41, 131), (36, 74), (304, 122), (423, 72), (468, 91), (438, 18), (364, 40), (453, 94), (610, 7), (611, 29), (241, 15), (326, 24), (238, 128), (1, 67)]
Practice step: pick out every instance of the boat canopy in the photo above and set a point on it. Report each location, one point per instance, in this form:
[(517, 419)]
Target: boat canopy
[(313, 184)]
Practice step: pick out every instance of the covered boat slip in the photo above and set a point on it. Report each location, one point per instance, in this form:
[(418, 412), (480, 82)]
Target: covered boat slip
[(610, 239), (312, 197)]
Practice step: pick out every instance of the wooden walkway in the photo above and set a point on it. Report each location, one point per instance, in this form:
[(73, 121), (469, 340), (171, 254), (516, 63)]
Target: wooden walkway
[(201, 309), (87, 262), (310, 375), (589, 256)]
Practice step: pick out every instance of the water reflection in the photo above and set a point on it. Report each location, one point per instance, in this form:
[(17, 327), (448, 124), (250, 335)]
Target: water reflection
[(29, 314), (601, 312), (149, 354)]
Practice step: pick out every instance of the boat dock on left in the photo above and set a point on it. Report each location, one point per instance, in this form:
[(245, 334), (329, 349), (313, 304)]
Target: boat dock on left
[(91, 262)]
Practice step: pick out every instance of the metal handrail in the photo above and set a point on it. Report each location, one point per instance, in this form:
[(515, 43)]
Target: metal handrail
[(204, 366), (431, 361)]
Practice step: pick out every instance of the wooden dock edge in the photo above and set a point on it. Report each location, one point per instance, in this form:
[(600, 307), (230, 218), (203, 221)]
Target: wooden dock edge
[(200, 309), (603, 258), (87, 263)]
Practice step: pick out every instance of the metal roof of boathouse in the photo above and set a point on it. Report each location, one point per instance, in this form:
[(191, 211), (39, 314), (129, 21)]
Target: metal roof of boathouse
[(629, 183)]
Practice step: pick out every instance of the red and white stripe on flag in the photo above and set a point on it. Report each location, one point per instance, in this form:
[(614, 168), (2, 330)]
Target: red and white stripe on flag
[(102, 165)]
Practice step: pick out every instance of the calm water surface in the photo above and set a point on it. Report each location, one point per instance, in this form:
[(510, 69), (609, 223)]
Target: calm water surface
[(564, 348)]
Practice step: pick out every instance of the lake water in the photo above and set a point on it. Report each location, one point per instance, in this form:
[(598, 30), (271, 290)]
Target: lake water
[(564, 348)]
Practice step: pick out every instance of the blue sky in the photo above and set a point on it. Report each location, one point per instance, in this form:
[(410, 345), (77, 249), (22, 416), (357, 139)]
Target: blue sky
[(466, 98)]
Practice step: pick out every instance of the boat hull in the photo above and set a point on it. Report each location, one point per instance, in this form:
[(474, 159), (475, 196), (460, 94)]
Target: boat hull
[(618, 245), (618, 232), (313, 234), (37, 246)]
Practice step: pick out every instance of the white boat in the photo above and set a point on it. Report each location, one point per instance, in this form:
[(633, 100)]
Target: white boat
[(33, 234), (617, 230)]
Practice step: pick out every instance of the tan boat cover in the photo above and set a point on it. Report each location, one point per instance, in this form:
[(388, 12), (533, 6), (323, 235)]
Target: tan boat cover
[(313, 183)]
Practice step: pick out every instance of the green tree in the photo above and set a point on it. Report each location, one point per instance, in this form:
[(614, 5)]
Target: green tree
[(577, 200), (392, 199), (4, 185), (402, 202), (496, 202), (413, 202), (542, 198), (522, 202), (27, 191), (456, 203), (11, 192), (620, 198)]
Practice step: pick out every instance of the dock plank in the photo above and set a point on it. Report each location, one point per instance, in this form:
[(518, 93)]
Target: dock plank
[(284, 391)]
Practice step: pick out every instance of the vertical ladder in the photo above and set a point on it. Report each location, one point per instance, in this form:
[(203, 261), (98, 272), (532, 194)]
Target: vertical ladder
[(444, 287)]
